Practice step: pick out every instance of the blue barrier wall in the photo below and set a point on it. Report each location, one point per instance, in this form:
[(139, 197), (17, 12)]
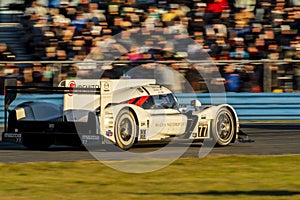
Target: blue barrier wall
[(255, 106), (249, 106)]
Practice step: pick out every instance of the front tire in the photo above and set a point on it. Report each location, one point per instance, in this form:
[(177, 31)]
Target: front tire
[(125, 130), (223, 127)]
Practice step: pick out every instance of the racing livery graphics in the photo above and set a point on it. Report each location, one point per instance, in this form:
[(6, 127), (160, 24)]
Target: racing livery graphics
[(123, 111)]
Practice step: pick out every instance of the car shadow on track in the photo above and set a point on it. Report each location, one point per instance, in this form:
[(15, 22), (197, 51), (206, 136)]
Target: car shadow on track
[(261, 193)]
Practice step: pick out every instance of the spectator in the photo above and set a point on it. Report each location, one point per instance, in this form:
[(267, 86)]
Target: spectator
[(214, 10), (194, 75), (239, 53), (134, 53), (232, 79), (248, 78), (37, 9), (297, 79), (5, 53), (171, 77)]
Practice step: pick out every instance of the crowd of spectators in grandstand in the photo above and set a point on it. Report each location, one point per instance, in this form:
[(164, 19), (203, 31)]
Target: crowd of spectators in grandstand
[(225, 29)]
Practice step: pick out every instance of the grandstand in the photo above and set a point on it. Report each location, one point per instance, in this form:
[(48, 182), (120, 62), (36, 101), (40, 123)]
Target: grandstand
[(259, 38)]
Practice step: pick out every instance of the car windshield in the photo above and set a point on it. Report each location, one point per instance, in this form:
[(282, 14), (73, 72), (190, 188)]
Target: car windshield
[(162, 101), (165, 101)]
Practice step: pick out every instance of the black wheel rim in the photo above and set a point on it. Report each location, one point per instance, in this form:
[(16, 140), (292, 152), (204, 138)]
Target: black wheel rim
[(224, 126), (125, 129)]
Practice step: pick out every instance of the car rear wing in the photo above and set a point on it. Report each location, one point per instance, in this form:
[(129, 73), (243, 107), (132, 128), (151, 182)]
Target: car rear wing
[(12, 90)]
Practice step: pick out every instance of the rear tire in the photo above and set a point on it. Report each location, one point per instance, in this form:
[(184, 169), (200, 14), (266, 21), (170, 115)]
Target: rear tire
[(223, 127), (125, 130)]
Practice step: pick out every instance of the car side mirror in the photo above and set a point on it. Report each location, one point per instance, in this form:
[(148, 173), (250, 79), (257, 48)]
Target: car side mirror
[(196, 103)]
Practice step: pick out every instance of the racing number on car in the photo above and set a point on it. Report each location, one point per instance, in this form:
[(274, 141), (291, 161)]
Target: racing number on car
[(202, 131)]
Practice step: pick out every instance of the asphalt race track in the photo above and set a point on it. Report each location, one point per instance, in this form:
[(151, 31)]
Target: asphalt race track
[(270, 139)]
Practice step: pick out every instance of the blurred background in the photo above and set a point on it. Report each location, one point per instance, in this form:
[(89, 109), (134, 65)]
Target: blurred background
[(255, 44)]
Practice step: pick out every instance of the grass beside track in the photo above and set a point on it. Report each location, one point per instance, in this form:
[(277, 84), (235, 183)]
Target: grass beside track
[(214, 177)]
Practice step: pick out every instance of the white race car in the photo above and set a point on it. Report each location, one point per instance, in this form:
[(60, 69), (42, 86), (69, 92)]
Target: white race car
[(125, 112)]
